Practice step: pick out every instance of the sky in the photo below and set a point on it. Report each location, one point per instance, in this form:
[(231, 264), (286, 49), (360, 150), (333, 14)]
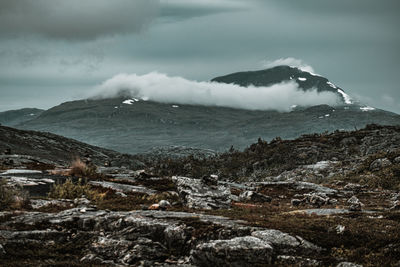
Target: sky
[(53, 51)]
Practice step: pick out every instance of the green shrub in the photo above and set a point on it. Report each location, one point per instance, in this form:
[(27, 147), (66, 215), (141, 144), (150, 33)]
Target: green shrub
[(70, 190)]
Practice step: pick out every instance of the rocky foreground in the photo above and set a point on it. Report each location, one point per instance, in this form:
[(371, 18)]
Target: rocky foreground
[(320, 200)]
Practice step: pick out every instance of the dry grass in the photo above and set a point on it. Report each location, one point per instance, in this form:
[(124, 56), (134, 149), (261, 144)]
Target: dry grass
[(81, 169), (12, 198)]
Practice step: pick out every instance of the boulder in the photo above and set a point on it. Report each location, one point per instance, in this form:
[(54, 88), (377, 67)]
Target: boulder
[(196, 194), (354, 204), (239, 251), (284, 243)]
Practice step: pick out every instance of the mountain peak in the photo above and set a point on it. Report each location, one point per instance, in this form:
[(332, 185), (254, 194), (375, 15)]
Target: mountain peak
[(267, 77)]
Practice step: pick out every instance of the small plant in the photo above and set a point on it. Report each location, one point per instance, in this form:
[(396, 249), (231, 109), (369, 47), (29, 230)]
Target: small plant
[(70, 190), (81, 169)]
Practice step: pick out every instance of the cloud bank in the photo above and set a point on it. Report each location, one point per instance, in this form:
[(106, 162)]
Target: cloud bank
[(75, 19), (290, 61), (177, 90)]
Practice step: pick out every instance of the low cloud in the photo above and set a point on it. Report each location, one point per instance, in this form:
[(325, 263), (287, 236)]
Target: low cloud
[(177, 90), (75, 19), (290, 61)]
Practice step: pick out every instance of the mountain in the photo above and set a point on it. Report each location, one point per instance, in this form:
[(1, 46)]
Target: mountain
[(15, 117), (268, 77), (131, 125)]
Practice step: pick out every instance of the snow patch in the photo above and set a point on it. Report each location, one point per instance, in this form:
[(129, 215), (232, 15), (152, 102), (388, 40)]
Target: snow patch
[(331, 85), (175, 106), (346, 97), (302, 79), (128, 102), (367, 108), (327, 115)]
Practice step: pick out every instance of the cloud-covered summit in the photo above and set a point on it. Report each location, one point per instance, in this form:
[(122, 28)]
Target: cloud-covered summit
[(159, 87)]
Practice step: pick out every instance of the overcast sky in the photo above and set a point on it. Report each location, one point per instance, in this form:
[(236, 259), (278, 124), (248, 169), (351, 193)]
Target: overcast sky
[(55, 50)]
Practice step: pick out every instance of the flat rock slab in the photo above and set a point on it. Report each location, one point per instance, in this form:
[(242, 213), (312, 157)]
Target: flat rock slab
[(124, 188)]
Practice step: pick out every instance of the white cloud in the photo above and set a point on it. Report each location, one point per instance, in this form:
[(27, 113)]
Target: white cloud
[(177, 90), (290, 61)]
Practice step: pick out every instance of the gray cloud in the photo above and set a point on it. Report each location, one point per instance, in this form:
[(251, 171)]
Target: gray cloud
[(75, 19)]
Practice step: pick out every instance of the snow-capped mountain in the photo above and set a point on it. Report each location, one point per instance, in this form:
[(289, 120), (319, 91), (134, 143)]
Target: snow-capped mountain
[(132, 124)]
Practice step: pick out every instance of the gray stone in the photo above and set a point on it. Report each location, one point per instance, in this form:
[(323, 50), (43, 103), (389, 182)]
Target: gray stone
[(316, 199), (197, 195), (348, 264), (239, 251), (285, 243), (379, 164), (163, 204), (296, 202), (124, 188), (286, 260), (354, 204)]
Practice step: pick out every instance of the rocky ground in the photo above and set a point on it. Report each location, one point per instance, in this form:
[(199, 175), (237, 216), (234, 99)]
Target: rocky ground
[(320, 200)]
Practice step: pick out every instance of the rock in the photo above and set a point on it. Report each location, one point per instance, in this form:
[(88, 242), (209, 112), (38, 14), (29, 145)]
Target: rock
[(197, 195), (211, 180), (379, 164), (285, 243), (285, 260), (296, 202), (316, 199), (353, 187), (239, 251), (175, 236), (41, 203), (121, 194), (348, 264), (254, 197), (81, 201), (124, 188), (397, 160), (163, 204), (340, 229), (396, 205), (355, 204), (2, 251)]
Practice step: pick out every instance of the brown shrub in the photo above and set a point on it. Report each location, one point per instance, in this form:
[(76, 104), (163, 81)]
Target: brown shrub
[(81, 169), (12, 198)]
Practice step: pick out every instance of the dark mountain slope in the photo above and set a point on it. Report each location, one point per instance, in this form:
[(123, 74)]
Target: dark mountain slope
[(14, 117), (142, 125), (58, 149)]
